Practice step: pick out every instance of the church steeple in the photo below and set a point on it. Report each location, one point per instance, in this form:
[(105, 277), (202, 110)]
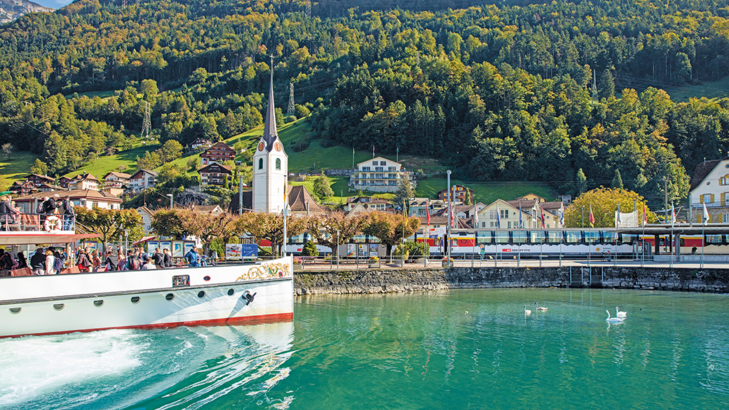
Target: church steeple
[(270, 134)]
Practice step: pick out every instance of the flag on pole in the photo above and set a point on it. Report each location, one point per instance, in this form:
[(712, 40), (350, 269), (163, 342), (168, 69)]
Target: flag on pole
[(498, 217), (673, 215), (373, 151), (645, 215), (561, 218), (592, 218), (521, 221), (475, 216), (706, 215), (453, 217), (617, 217), (427, 212)]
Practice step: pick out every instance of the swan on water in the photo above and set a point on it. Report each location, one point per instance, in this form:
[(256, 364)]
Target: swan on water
[(527, 312), (620, 314), (613, 319), (540, 309)]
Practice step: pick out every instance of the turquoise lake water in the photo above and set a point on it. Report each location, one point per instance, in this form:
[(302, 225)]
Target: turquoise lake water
[(458, 349)]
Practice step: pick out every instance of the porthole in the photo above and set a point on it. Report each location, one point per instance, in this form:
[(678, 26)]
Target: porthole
[(230, 292), (15, 311), (201, 294), (206, 278), (135, 299), (58, 306), (169, 296), (98, 303)]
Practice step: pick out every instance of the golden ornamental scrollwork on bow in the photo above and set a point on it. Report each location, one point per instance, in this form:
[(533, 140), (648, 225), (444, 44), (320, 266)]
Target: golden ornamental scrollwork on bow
[(266, 271)]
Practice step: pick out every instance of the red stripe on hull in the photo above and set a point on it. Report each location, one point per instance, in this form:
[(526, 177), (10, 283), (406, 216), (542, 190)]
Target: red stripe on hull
[(248, 320)]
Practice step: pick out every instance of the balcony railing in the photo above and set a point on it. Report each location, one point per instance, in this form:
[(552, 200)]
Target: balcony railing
[(36, 222)]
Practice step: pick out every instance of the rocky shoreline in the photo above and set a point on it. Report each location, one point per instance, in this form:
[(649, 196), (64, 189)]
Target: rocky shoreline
[(369, 281)]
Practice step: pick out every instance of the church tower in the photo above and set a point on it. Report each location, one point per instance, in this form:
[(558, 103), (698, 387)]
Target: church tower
[(270, 164)]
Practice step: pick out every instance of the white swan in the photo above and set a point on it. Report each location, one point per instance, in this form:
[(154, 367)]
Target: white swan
[(613, 319), (527, 312), (620, 314), (540, 309)]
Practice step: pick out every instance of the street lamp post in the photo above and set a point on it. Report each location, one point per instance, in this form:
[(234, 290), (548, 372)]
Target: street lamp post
[(126, 240), (337, 248)]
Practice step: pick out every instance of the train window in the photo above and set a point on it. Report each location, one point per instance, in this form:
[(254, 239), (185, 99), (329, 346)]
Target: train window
[(501, 236), (627, 238), (609, 237), (519, 237), (536, 236), (554, 236), (714, 239), (484, 237), (683, 242), (573, 236), (592, 236)]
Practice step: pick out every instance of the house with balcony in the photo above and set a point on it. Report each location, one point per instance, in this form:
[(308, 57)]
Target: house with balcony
[(142, 180), (201, 143), (502, 214), (23, 188), (219, 152), (461, 194), (215, 174), (87, 198), (39, 180), (710, 187), (83, 182), (379, 175), (116, 180), (364, 204)]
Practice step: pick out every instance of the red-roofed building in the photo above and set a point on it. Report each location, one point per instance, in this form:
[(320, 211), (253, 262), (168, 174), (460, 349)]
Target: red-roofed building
[(219, 152)]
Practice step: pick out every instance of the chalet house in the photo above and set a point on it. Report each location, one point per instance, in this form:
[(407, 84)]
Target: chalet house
[(23, 188), (553, 213), (365, 204), (201, 143), (461, 194), (38, 180), (502, 214), (88, 198), (49, 188), (418, 206), (116, 180), (219, 152), (214, 174), (142, 180), (379, 175), (710, 187), (83, 182), (64, 181)]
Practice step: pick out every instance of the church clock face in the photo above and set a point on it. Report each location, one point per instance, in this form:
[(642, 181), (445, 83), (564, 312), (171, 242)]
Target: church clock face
[(277, 146), (261, 146)]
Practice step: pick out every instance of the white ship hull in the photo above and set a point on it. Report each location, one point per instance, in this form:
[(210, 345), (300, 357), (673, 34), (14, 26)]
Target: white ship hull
[(38, 305)]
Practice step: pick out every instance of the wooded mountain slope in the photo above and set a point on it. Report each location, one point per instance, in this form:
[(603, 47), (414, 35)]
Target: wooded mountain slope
[(499, 92)]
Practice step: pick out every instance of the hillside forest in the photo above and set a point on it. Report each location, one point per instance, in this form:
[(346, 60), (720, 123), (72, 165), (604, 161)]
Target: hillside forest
[(566, 93)]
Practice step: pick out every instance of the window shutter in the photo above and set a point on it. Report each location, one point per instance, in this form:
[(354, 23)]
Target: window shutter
[(722, 198), (712, 198), (698, 218), (701, 199), (720, 218), (710, 218)]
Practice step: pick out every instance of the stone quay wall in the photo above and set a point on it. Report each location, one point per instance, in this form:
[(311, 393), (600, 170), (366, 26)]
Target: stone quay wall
[(411, 280)]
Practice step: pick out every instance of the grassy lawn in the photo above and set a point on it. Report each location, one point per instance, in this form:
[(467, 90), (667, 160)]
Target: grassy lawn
[(711, 90), (105, 164), (487, 192), (15, 167), (92, 94)]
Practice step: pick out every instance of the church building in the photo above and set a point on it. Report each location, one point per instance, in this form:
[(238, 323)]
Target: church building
[(270, 164)]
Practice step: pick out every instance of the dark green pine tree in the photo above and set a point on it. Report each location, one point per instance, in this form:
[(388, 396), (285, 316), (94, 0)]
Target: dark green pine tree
[(617, 180), (606, 87)]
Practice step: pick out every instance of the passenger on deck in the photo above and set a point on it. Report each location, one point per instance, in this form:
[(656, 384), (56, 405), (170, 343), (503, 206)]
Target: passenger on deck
[(167, 258), (83, 262), (22, 262), (50, 262), (38, 262), (6, 263), (95, 260), (7, 214), (192, 258), (68, 214), (159, 259), (111, 261), (122, 265)]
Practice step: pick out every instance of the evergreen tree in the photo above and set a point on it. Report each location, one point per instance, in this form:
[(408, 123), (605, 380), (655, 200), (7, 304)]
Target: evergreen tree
[(404, 194), (581, 182), (606, 88), (617, 180)]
